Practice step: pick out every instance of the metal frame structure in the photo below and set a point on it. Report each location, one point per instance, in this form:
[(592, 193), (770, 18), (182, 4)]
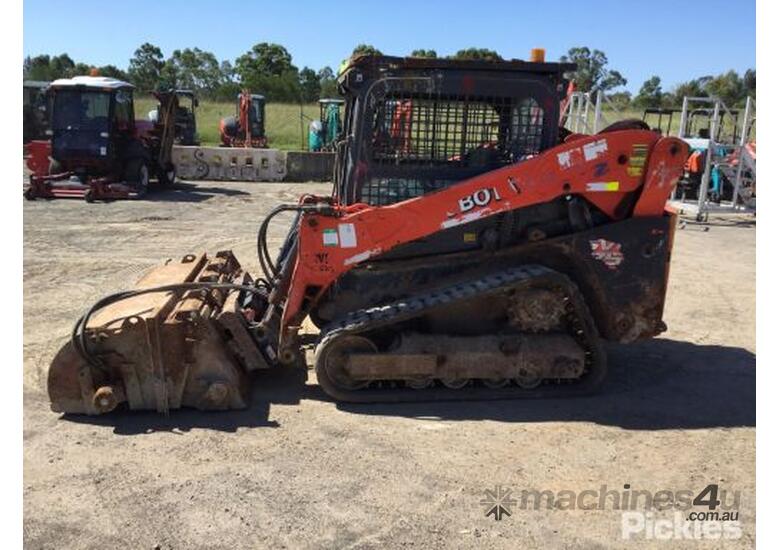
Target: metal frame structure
[(584, 116), (721, 149)]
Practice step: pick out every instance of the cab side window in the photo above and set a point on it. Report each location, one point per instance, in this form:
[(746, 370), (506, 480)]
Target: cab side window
[(123, 110)]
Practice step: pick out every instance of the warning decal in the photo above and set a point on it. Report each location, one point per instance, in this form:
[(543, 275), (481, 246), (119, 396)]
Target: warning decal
[(636, 164), (330, 237), (347, 235), (607, 252)]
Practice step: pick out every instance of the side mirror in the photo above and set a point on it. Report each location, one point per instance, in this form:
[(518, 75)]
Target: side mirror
[(195, 102)]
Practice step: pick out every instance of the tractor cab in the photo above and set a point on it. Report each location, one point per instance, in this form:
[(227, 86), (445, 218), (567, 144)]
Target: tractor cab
[(186, 125), (98, 149), (92, 120), (416, 125)]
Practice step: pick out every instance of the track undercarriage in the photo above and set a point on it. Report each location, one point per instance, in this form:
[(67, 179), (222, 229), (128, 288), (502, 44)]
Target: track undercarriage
[(525, 332)]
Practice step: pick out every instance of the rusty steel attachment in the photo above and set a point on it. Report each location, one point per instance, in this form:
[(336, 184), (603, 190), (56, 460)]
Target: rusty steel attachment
[(187, 346)]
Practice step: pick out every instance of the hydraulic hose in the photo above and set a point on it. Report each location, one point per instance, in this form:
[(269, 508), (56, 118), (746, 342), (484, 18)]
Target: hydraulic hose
[(269, 267), (79, 337)]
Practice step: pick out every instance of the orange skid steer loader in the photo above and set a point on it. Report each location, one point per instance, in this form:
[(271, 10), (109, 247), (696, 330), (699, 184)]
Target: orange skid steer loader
[(475, 253)]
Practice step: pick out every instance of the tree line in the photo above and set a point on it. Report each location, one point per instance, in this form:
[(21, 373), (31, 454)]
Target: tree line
[(268, 68)]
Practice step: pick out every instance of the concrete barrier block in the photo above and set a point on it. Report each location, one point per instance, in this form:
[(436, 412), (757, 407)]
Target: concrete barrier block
[(306, 166), (229, 163)]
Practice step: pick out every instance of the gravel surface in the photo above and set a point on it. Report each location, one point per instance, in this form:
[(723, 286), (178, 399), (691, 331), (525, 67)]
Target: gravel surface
[(296, 470)]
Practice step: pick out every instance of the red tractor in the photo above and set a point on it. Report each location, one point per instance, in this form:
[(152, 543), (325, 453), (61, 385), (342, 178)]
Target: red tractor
[(247, 128), (98, 150)]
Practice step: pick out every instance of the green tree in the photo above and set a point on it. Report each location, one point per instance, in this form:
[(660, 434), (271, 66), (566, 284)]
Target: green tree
[(749, 82), (365, 49), (310, 85), (592, 73), (265, 59), (691, 88), (37, 68), (45, 67), (110, 71), (62, 66), (84, 69), (195, 69), (650, 94), (328, 83), (729, 87), (620, 100), (228, 88), (484, 54), (268, 69), (424, 53), (146, 67)]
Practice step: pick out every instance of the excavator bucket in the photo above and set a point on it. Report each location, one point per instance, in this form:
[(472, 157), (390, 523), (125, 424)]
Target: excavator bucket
[(163, 350)]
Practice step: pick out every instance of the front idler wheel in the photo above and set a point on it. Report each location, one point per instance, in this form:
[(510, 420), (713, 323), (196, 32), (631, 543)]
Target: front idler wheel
[(331, 361)]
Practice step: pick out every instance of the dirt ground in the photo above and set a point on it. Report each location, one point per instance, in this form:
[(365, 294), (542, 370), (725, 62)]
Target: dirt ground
[(297, 470)]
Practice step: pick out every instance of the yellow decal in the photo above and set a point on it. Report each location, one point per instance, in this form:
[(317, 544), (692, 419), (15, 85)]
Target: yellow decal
[(636, 163), (603, 186)]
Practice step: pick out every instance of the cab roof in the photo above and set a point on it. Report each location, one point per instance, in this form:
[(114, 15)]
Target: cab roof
[(100, 82), (384, 62)]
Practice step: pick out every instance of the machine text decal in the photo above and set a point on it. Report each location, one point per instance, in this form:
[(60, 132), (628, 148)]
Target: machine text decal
[(481, 197)]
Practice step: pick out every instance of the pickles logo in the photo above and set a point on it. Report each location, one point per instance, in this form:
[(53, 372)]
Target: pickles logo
[(498, 502)]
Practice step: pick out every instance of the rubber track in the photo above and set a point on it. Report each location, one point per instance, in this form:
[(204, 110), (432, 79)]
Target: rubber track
[(581, 324)]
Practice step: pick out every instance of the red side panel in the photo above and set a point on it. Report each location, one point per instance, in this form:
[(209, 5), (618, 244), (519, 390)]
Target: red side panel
[(38, 160)]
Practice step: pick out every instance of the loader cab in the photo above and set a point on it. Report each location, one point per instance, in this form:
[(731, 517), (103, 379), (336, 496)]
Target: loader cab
[(416, 125), (91, 122)]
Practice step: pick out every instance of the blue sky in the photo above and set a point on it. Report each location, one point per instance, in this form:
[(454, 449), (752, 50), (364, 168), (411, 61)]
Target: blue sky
[(676, 40)]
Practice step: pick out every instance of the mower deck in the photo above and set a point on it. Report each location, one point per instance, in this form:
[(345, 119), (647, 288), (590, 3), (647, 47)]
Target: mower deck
[(67, 185)]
